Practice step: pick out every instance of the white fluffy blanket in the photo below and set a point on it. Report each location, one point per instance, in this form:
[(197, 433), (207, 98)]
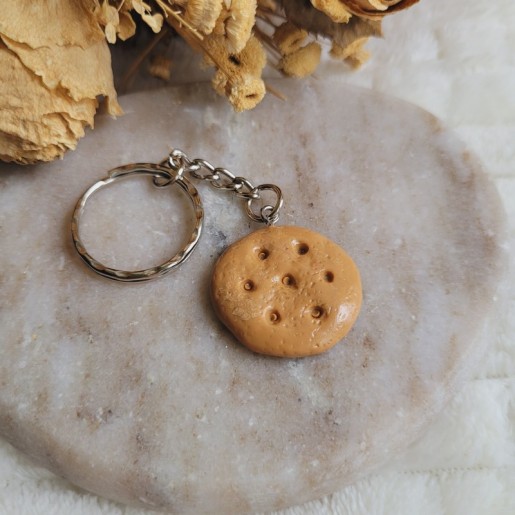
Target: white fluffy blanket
[(456, 59)]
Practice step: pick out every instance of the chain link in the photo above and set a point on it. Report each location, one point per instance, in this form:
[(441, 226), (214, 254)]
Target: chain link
[(223, 179)]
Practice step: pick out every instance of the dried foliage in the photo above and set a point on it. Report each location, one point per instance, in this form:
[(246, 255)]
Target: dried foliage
[(55, 63)]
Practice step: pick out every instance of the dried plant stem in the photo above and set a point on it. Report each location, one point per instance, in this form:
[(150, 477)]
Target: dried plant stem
[(263, 12), (197, 42), (275, 92), (129, 74), (179, 19), (267, 40), (265, 18)]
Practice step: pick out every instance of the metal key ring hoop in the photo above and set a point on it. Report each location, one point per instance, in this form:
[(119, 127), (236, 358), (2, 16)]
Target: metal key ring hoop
[(157, 172)]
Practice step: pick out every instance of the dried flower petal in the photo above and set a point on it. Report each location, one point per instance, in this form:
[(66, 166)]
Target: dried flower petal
[(110, 32), (115, 22), (303, 62), (72, 23), (48, 91), (37, 124), (82, 73), (127, 26), (154, 21), (318, 23), (202, 14), (235, 22), (376, 9), (109, 13), (377, 4), (140, 7), (107, 17), (335, 9)]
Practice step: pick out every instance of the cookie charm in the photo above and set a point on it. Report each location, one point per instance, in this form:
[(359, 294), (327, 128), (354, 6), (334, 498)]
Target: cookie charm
[(282, 291), (286, 291)]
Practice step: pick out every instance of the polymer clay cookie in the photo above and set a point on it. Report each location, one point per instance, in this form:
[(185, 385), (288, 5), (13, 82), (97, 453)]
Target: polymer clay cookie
[(286, 291)]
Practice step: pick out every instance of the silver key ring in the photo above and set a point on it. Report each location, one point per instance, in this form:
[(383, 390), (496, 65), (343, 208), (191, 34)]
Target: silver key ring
[(156, 171)]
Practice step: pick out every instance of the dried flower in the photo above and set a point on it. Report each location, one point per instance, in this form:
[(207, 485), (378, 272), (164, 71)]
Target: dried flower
[(303, 61), (36, 125), (55, 63), (238, 76), (116, 20), (107, 16), (202, 14), (289, 38), (235, 22), (126, 28), (160, 67), (316, 22), (243, 91), (376, 9), (353, 54), (335, 9), (154, 21), (50, 80)]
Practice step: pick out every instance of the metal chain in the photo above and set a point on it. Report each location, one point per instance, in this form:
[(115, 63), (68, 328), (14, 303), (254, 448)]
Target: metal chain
[(223, 179)]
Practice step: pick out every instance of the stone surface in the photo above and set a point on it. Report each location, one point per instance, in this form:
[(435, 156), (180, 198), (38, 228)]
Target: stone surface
[(138, 393)]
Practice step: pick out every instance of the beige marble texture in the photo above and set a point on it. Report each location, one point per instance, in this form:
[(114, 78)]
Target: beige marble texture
[(137, 392)]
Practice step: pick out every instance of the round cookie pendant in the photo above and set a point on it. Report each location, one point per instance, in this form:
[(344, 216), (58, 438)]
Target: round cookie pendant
[(286, 291)]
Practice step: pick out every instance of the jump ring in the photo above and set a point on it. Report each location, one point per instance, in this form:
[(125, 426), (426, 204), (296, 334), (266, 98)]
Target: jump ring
[(161, 182), (266, 214), (271, 215), (177, 159), (157, 172)]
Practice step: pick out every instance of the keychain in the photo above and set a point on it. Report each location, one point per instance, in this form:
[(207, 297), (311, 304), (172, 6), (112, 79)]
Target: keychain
[(282, 291)]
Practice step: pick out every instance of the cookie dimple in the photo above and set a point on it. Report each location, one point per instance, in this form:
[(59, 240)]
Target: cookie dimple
[(317, 312), (302, 248), (263, 254), (248, 285), (286, 291), (274, 317), (329, 277), (289, 280)]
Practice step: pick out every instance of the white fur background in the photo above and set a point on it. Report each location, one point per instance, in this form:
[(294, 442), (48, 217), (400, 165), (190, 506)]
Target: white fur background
[(456, 58)]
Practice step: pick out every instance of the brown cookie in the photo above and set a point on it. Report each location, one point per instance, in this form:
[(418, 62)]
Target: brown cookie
[(286, 291)]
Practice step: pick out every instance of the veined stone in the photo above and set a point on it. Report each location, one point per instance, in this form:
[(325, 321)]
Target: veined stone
[(138, 393)]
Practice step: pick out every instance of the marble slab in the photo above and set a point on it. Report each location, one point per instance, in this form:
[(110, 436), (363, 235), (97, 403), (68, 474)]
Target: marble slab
[(137, 392)]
